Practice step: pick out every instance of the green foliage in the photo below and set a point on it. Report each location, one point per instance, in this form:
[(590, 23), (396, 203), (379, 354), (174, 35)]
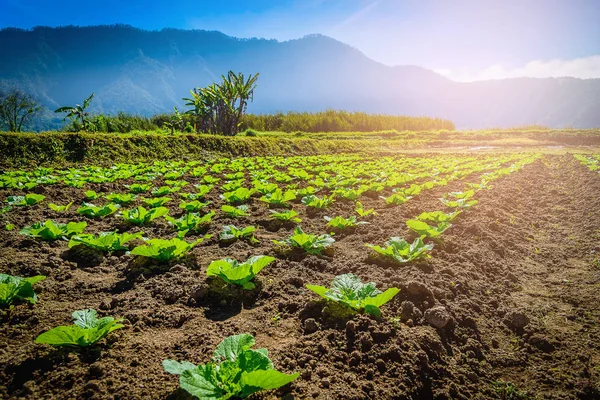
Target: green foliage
[(401, 251), (238, 196), (190, 223), (278, 198), (57, 208), (341, 223), (231, 233), (235, 371), (286, 216), (14, 288), (193, 206), (348, 290), (120, 199), (138, 188), (310, 243), (265, 187), (27, 200), (396, 199), (319, 203), (78, 114), (157, 201), (165, 250), (461, 199), (164, 190), (90, 195), (425, 230), (201, 191), (141, 216), (51, 230), (438, 216), (237, 273), (240, 211), (92, 211), (359, 209), (105, 241), (87, 329)]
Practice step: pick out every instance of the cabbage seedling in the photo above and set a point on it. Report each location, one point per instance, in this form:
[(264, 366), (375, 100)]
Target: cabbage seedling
[(16, 288), (236, 273)]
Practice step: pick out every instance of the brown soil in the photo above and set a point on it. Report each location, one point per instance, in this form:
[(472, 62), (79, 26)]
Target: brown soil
[(528, 252)]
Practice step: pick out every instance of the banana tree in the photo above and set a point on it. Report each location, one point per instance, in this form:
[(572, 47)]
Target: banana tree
[(78, 113)]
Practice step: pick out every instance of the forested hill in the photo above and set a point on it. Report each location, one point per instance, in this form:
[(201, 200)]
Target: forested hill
[(148, 72)]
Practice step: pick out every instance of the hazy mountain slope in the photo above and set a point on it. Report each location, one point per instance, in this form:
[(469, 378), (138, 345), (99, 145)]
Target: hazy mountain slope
[(148, 72)]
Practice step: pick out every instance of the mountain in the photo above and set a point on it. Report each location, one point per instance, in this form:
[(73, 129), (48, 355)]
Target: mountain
[(148, 72)]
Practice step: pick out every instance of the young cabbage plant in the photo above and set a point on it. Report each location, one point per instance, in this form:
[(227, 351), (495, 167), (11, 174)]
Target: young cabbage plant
[(87, 329), (395, 199), (157, 202), (401, 251), (310, 243), (190, 223), (234, 212), (90, 195), (347, 289), (424, 230), (202, 191), (105, 241), (164, 250), (340, 223), (360, 210), (92, 211), (315, 202), (238, 196), (235, 273), (460, 203), (14, 288), (348, 194), (164, 190), (51, 230), (141, 216), (236, 371), (137, 188), (265, 188), (193, 206), (27, 200), (57, 208), (231, 233), (120, 199), (286, 216), (438, 216), (279, 198)]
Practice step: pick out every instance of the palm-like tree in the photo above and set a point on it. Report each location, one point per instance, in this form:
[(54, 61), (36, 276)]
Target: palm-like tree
[(78, 112)]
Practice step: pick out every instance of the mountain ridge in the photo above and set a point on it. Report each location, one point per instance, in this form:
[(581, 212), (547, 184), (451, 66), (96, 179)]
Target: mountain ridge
[(147, 72)]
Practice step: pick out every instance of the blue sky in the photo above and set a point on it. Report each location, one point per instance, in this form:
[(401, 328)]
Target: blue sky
[(463, 39)]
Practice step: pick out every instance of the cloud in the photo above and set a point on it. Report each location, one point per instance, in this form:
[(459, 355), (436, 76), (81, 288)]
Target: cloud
[(584, 68)]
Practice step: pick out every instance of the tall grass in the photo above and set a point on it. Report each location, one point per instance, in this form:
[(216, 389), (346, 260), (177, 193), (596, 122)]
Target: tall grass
[(341, 121)]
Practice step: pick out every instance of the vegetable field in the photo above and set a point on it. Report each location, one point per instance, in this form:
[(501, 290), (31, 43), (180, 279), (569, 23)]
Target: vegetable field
[(345, 276)]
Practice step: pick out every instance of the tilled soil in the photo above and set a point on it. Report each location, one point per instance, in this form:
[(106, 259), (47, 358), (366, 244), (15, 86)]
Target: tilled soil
[(518, 274)]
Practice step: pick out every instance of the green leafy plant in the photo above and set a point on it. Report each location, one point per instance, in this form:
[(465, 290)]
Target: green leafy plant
[(157, 202), (231, 233), (193, 206), (347, 289), (16, 288), (29, 199), (78, 114), (120, 199), (359, 209), (141, 216), (461, 199), (240, 211), (401, 251), (438, 216), (190, 222), (51, 230), (57, 208), (87, 329), (165, 250), (164, 190), (138, 188), (237, 273), (201, 191), (423, 229), (286, 216), (105, 241), (396, 199), (92, 211), (238, 196), (279, 198), (310, 243), (315, 202), (235, 371), (90, 195), (341, 223)]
